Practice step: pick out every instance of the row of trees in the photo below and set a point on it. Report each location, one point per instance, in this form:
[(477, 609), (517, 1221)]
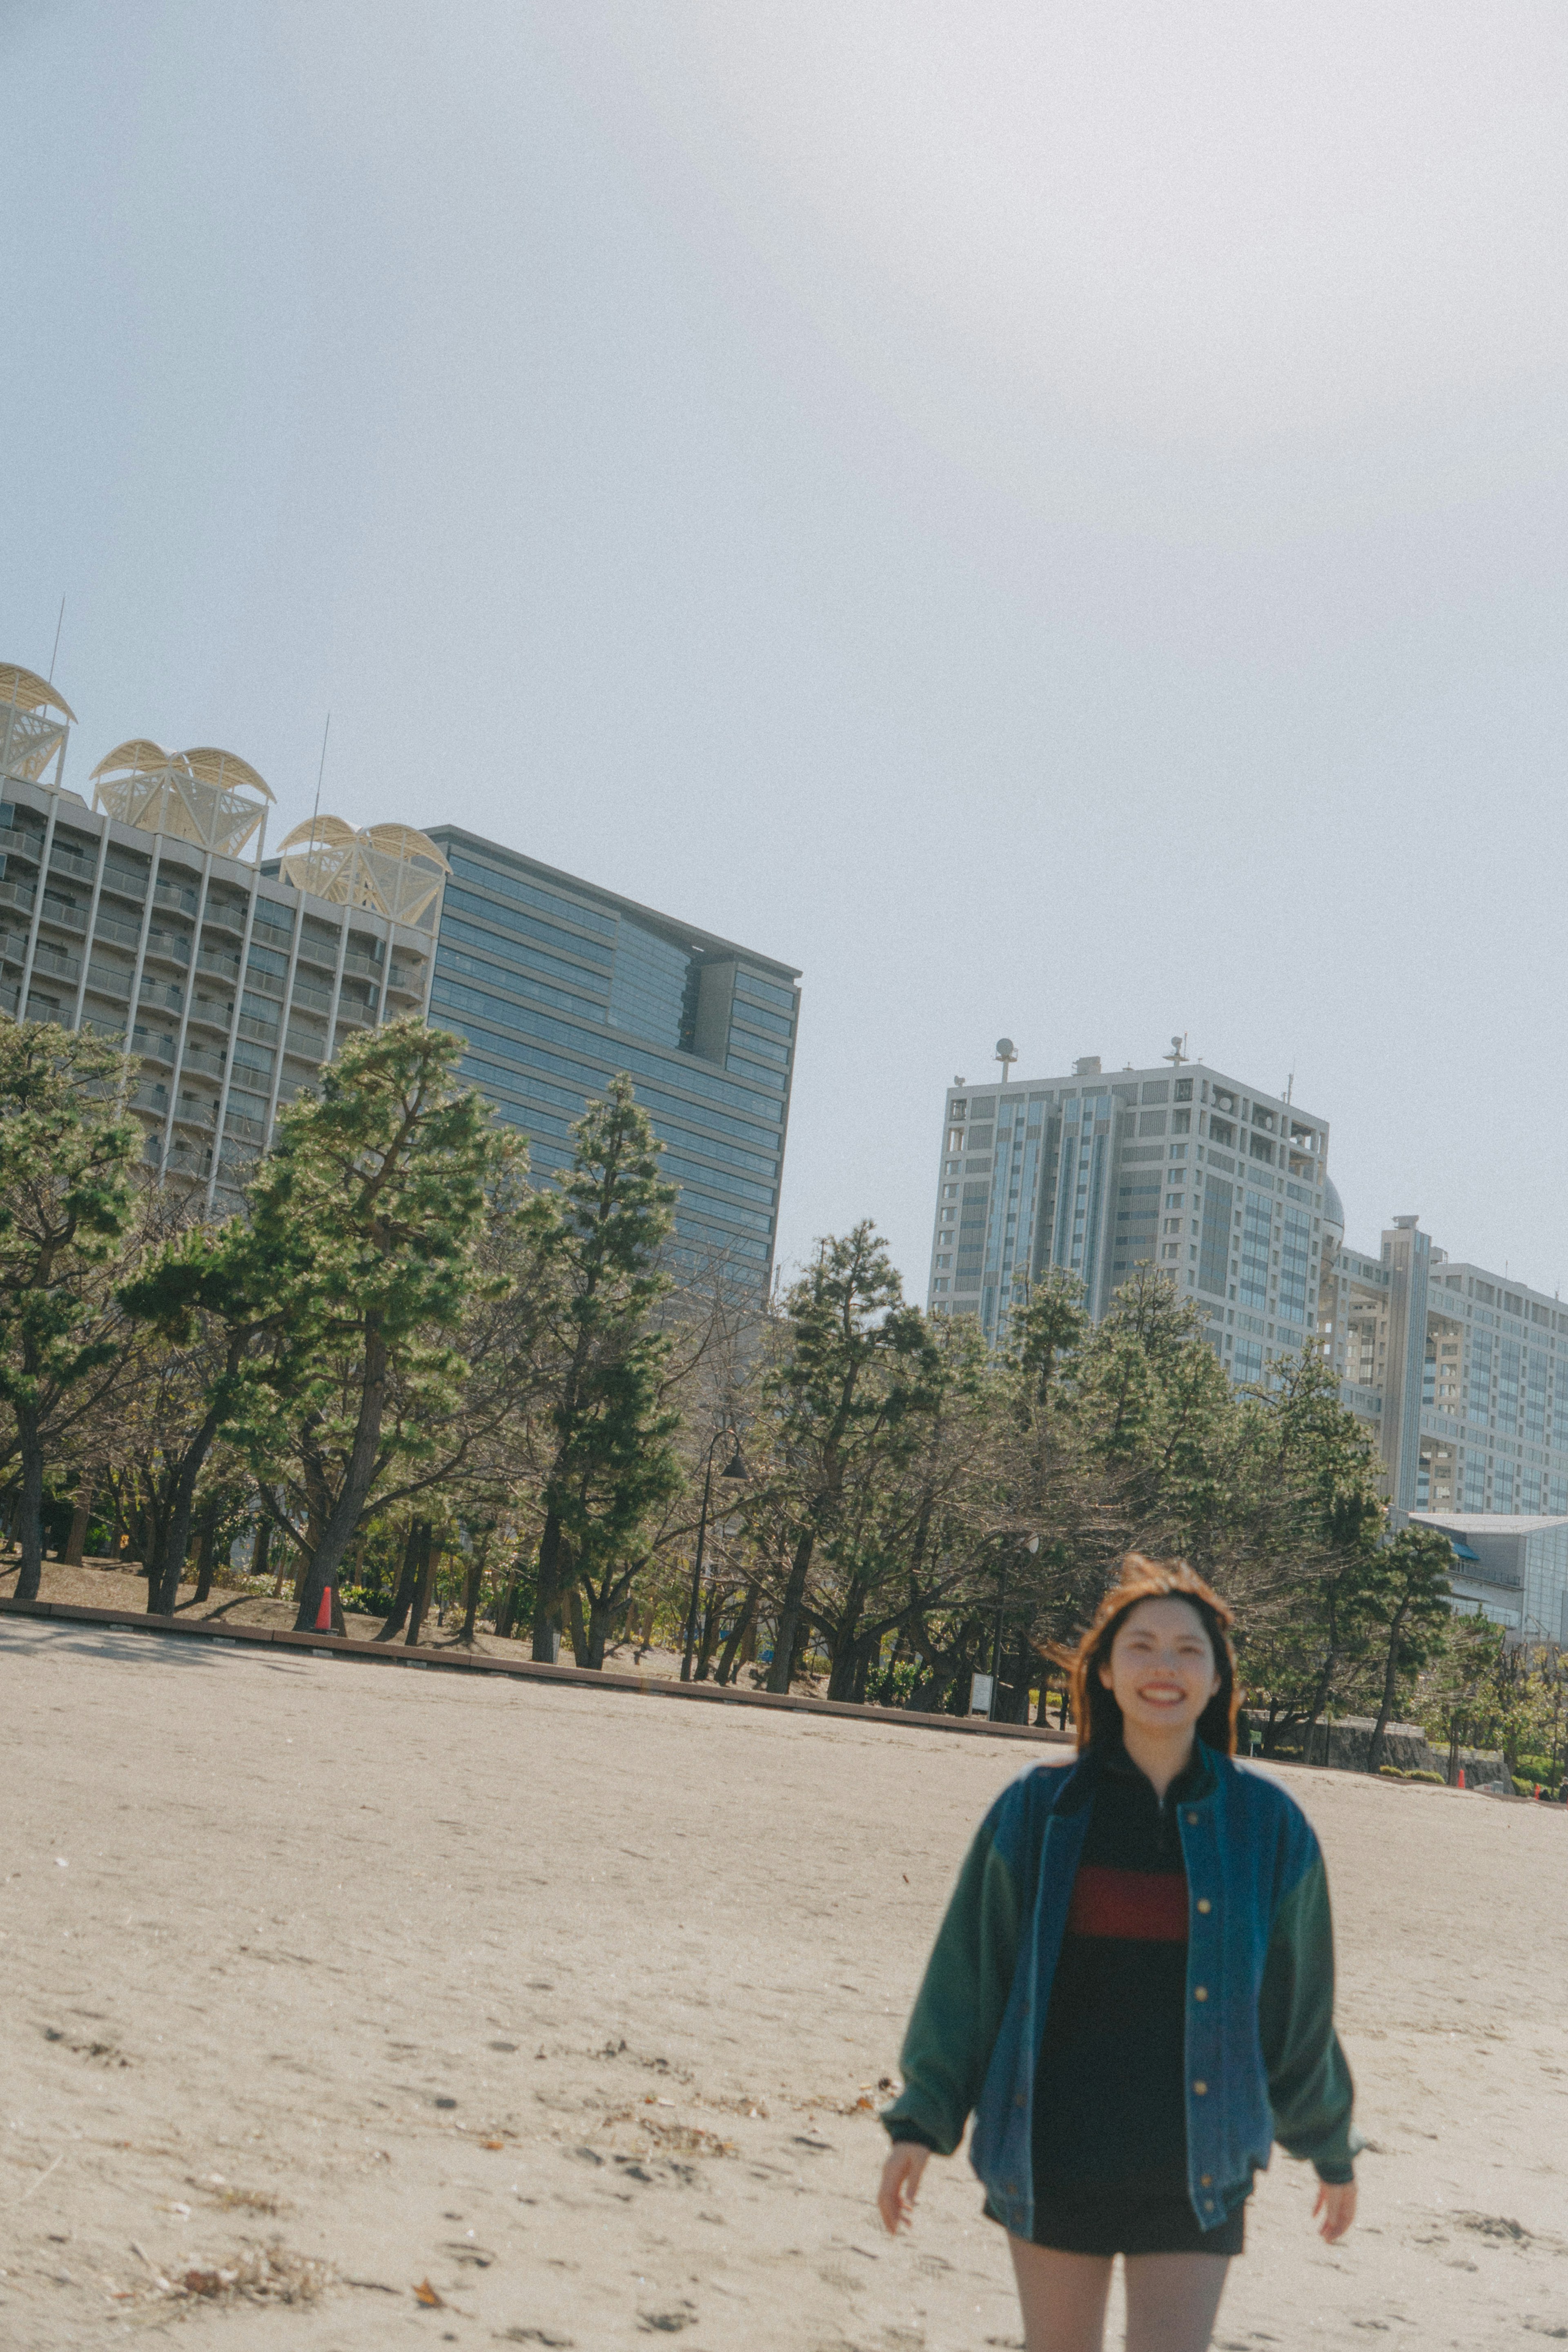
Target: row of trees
[(406, 1370)]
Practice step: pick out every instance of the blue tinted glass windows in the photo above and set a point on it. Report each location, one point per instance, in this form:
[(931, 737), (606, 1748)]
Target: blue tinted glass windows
[(1295, 1265), (1477, 1381), (1256, 1225), (1214, 1239), (1508, 1367)]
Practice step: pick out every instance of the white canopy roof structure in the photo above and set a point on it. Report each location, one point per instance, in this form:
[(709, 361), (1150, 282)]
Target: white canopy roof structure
[(32, 723), (389, 868), (28, 692), (205, 796)]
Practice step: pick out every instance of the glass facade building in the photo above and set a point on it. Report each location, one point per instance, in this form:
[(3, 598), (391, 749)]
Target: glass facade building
[(556, 985)]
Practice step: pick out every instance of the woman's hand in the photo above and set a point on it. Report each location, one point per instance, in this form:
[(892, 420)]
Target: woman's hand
[(901, 2185), (1336, 2203)]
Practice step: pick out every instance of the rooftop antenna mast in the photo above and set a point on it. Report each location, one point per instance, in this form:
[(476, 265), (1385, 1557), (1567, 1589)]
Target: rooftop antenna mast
[(1007, 1055), (1178, 1053), (59, 625), (320, 773)]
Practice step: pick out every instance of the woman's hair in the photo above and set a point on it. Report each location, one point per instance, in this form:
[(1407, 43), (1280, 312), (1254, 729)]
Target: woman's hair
[(1096, 1713)]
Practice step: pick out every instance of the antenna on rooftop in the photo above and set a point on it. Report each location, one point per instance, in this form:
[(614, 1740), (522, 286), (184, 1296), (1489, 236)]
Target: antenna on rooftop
[(59, 625), (1178, 1054), (320, 773), (1007, 1055)]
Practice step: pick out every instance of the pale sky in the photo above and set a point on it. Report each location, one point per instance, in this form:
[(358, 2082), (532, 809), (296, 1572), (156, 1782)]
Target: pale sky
[(1050, 518)]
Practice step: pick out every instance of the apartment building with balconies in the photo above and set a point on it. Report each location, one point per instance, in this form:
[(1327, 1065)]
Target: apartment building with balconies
[(1221, 1184), (149, 916)]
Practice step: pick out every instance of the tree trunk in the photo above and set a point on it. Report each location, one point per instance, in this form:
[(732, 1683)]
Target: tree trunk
[(789, 1627), (579, 1649), (177, 1535), (602, 1616), (708, 1633), (427, 1559), (476, 1577), (205, 1553), (546, 1598), (407, 1583), (1390, 1683), (31, 1528), (507, 1614), (738, 1634), (358, 1479), (81, 1519)]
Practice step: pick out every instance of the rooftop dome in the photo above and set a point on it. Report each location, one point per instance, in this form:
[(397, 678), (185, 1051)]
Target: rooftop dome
[(1333, 1207)]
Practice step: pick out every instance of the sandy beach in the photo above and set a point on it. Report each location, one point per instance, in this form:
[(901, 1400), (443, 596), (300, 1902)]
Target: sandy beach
[(568, 2009)]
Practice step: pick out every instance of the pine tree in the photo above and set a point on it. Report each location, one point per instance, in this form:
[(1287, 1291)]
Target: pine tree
[(66, 1202)]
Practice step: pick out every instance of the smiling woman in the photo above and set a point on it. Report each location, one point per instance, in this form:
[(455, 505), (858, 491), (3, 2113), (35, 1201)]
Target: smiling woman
[(1133, 1988)]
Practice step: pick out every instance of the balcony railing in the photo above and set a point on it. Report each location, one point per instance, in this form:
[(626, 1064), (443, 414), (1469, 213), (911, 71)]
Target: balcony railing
[(109, 927), (214, 960), (56, 961), (163, 992), (20, 895), (72, 862), (197, 1057), (65, 917), (170, 947), (178, 896)]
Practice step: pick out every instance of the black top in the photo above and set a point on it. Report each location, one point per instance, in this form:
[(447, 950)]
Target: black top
[(1109, 2094)]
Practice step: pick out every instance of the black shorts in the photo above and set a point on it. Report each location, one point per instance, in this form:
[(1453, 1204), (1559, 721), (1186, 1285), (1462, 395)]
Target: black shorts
[(1128, 2221)]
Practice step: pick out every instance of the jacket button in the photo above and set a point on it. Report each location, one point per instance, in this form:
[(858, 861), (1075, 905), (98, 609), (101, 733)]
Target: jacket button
[(1204, 1904), (1208, 2181), (1018, 2099), (1209, 2204), (1200, 1992), (1193, 1817), (1202, 2089)]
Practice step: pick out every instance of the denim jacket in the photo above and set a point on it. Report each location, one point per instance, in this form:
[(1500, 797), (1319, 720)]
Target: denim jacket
[(1263, 2060)]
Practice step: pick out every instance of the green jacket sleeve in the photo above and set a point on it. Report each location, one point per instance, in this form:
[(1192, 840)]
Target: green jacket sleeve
[(1309, 2087), (958, 2009)]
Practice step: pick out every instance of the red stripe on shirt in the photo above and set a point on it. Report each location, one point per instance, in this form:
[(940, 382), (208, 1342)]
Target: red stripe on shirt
[(1141, 1906)]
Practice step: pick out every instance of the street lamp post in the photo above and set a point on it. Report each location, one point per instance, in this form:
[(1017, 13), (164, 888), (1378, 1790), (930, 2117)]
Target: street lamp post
[(736, 1469), (1030, 1544)]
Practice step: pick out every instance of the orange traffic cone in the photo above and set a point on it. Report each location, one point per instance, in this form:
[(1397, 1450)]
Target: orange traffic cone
[(1462, 1776), (324, 1613)]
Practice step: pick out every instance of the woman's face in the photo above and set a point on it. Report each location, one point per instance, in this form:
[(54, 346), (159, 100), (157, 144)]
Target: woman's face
[(1161, 1669)]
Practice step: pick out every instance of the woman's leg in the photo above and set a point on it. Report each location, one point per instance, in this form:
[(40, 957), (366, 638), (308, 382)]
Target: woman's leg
[(1062, 2297), (1172, 2300)]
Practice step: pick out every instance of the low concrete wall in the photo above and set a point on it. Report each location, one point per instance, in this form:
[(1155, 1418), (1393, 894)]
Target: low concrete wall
[(456, 1661), (1347, 1743)]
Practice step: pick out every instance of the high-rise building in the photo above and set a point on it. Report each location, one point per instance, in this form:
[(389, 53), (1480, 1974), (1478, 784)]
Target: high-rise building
[(149, 916), (1221, 1184), (152, 916), (557, 985), (1460, 1373)]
